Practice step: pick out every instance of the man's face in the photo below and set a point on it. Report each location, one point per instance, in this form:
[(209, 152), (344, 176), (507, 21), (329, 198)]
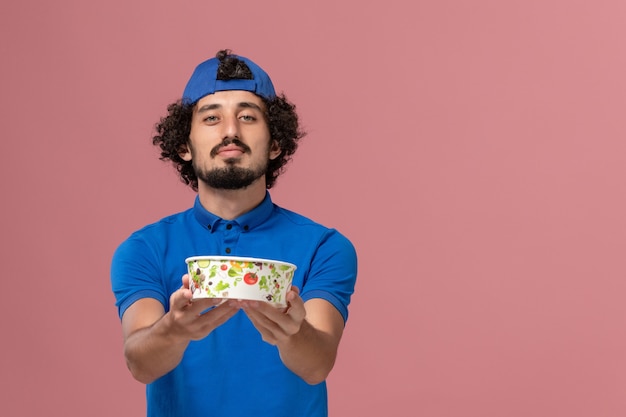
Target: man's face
[(229, 143)]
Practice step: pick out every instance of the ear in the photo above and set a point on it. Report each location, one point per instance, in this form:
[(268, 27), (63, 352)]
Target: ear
[(184, 152), (275, 150)]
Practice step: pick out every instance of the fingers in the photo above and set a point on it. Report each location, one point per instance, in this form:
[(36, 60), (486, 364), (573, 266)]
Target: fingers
[(295, 305), (269, 331), (186, 309), (264, 317), (276, 324), (180, 299), (205, 323), (195, 320), (183, 299)]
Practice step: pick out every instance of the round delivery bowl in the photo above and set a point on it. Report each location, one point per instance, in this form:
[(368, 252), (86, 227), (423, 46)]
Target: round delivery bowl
[(233, 277)]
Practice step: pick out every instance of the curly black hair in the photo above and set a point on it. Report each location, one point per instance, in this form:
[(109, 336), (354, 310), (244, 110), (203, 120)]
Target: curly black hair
[(172, 131)]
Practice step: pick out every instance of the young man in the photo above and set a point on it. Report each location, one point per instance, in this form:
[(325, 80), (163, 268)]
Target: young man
[(229, 138)]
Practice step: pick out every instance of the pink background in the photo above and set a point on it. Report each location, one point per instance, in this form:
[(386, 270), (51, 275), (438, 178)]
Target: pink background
[(473, 151)]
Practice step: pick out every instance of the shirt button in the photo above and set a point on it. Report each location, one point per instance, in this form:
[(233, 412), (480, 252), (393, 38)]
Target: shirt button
[(245, 227), (227, 250), (209, 227), (229, 226)]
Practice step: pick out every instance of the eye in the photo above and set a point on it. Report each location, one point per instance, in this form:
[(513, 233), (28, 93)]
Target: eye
[(247, 118), (210, 119)]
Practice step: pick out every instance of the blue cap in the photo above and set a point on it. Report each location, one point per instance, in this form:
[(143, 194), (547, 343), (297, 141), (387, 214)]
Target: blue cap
[(204, 81)]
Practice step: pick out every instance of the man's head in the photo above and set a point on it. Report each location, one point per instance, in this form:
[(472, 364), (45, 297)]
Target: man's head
[(232, 75)]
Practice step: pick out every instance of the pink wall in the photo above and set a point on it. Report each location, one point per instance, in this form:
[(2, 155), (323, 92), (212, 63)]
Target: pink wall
[(474, 151)]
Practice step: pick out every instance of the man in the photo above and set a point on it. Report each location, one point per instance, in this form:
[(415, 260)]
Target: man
[(229, 138)]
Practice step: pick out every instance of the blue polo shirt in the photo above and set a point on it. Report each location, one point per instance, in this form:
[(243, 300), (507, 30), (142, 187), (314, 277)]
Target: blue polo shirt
[(233, 372)]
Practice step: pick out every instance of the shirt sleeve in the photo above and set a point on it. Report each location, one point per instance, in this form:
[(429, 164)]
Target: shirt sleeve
[(135, 274), (333, 272)]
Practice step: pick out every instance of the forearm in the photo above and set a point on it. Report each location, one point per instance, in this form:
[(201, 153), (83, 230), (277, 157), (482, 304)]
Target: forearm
[(153, 351), (310, 353)]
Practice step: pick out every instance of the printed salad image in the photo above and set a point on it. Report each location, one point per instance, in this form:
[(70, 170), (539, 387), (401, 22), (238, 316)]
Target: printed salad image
[(228, 278)]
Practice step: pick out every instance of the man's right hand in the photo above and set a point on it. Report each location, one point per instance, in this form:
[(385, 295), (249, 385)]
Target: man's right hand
[(155, 341), (195, 319)]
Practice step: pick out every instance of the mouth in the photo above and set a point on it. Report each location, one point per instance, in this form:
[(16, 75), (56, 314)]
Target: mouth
[(230, 149)]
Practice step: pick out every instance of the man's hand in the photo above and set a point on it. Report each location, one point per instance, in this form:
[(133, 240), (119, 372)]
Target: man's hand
[(276, 324), (155, 341), (195, 319), (307, 334)]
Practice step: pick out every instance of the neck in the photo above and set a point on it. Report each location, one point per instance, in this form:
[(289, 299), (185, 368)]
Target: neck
[(230, 204)]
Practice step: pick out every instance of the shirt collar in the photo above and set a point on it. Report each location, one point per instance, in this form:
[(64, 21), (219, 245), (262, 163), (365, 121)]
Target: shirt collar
[(247, 221)]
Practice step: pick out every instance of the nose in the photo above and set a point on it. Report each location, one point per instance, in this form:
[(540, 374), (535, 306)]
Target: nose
[(230, 127)]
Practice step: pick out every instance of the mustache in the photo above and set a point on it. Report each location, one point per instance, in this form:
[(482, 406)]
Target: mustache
[(228, 141)]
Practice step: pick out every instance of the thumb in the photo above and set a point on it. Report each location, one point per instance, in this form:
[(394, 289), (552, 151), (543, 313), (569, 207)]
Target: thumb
[(186, 281), (181, 297)]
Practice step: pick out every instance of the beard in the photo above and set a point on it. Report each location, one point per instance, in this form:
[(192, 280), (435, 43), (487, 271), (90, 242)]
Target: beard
[(230, 177)]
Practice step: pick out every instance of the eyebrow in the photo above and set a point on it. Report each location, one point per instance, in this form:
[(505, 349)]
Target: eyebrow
[(243, 104)]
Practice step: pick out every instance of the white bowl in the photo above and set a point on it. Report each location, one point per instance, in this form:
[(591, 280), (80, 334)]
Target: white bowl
[(233, 277)]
